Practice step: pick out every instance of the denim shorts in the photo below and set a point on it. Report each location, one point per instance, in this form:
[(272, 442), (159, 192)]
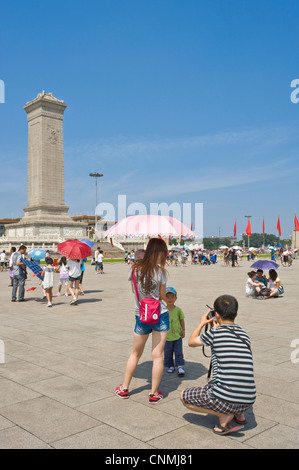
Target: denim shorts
[(145, 329)]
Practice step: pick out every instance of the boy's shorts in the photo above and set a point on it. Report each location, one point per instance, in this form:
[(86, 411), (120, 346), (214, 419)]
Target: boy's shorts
[(204, 398), (145, 329)]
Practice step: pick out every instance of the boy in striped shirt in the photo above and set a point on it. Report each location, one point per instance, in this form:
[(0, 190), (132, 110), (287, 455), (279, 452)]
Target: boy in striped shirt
[(231, 390)]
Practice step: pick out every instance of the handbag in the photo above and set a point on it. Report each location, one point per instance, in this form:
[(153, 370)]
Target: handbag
[(149, 308), (280, 290), (64, 275), (265, 291)]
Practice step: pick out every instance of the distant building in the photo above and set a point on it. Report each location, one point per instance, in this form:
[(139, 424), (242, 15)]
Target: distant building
[(4, 222), (102, 225)]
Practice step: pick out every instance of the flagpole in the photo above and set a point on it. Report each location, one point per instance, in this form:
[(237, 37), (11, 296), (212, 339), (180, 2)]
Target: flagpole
[(295, 233), (263, 232)]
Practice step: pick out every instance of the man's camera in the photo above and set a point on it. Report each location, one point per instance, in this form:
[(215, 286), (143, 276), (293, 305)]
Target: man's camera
[(212, 314)]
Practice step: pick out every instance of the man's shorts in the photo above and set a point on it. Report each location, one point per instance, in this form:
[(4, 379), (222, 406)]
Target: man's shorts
[(204, 398), (145, 329)]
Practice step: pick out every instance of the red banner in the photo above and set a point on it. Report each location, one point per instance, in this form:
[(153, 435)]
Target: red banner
[(278, 226), (248, 228), (296, 223)]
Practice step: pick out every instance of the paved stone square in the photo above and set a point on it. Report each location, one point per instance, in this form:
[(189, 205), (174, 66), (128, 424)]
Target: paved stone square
[(63, 363)]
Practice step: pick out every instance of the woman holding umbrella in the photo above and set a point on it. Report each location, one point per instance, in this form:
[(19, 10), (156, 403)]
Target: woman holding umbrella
[(75, 251), (74, 268)]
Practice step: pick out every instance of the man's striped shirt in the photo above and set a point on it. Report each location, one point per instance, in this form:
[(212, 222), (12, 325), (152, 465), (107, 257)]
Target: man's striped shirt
[(233, 379)]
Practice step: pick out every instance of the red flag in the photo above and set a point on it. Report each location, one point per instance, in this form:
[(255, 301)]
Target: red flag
[(235, 228), (296, 223), (31, 288), (278, 226), (248, 228), (263, 227)]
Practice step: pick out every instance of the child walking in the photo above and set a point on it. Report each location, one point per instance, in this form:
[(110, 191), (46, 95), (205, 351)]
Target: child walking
[(63, 275), (151, 281), (48, 280), (174, 340), (74, 268)]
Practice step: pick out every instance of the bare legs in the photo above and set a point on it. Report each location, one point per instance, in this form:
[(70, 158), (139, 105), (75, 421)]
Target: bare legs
[(49, 295), (158, 343), (224, 419), (70, 288), (138, 347)]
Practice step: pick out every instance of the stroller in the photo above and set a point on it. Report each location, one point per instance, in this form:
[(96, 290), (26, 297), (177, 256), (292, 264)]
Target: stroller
[(205, 260)]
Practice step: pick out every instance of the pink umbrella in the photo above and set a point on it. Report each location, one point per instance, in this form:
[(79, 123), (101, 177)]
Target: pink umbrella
[(149, 226)]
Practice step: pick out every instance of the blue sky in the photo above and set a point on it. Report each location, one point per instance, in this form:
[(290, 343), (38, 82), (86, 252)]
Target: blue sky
[(172, 101)]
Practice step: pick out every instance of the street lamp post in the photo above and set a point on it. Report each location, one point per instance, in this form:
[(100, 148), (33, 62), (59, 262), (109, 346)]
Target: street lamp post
[(96, 176)]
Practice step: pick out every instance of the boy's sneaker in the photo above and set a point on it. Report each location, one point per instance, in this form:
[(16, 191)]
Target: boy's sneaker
[(121, 392), (49, 304), (181, 372), (155, 398), (74, 301), (170, 370)]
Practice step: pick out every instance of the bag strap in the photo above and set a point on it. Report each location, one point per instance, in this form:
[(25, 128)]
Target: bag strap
[(134, 283), (240, 338)]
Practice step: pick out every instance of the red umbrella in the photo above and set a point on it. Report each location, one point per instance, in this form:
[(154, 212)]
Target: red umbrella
[(74, 249)]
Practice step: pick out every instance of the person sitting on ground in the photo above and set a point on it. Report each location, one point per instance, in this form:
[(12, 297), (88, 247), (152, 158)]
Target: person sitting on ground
[(274, 284), (261, 278), (253, 287), (231, 390)]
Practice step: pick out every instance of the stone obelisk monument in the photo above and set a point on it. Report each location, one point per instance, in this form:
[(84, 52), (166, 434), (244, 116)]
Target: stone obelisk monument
[(46, 216), (45, 176)]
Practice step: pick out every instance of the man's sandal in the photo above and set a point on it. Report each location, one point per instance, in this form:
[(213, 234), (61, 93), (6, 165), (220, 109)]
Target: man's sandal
[(227, 429)]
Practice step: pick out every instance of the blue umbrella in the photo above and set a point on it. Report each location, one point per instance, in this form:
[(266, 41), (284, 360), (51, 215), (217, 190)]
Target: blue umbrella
[(265, 264), (37, 254), (280, 245), (87, 242)]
